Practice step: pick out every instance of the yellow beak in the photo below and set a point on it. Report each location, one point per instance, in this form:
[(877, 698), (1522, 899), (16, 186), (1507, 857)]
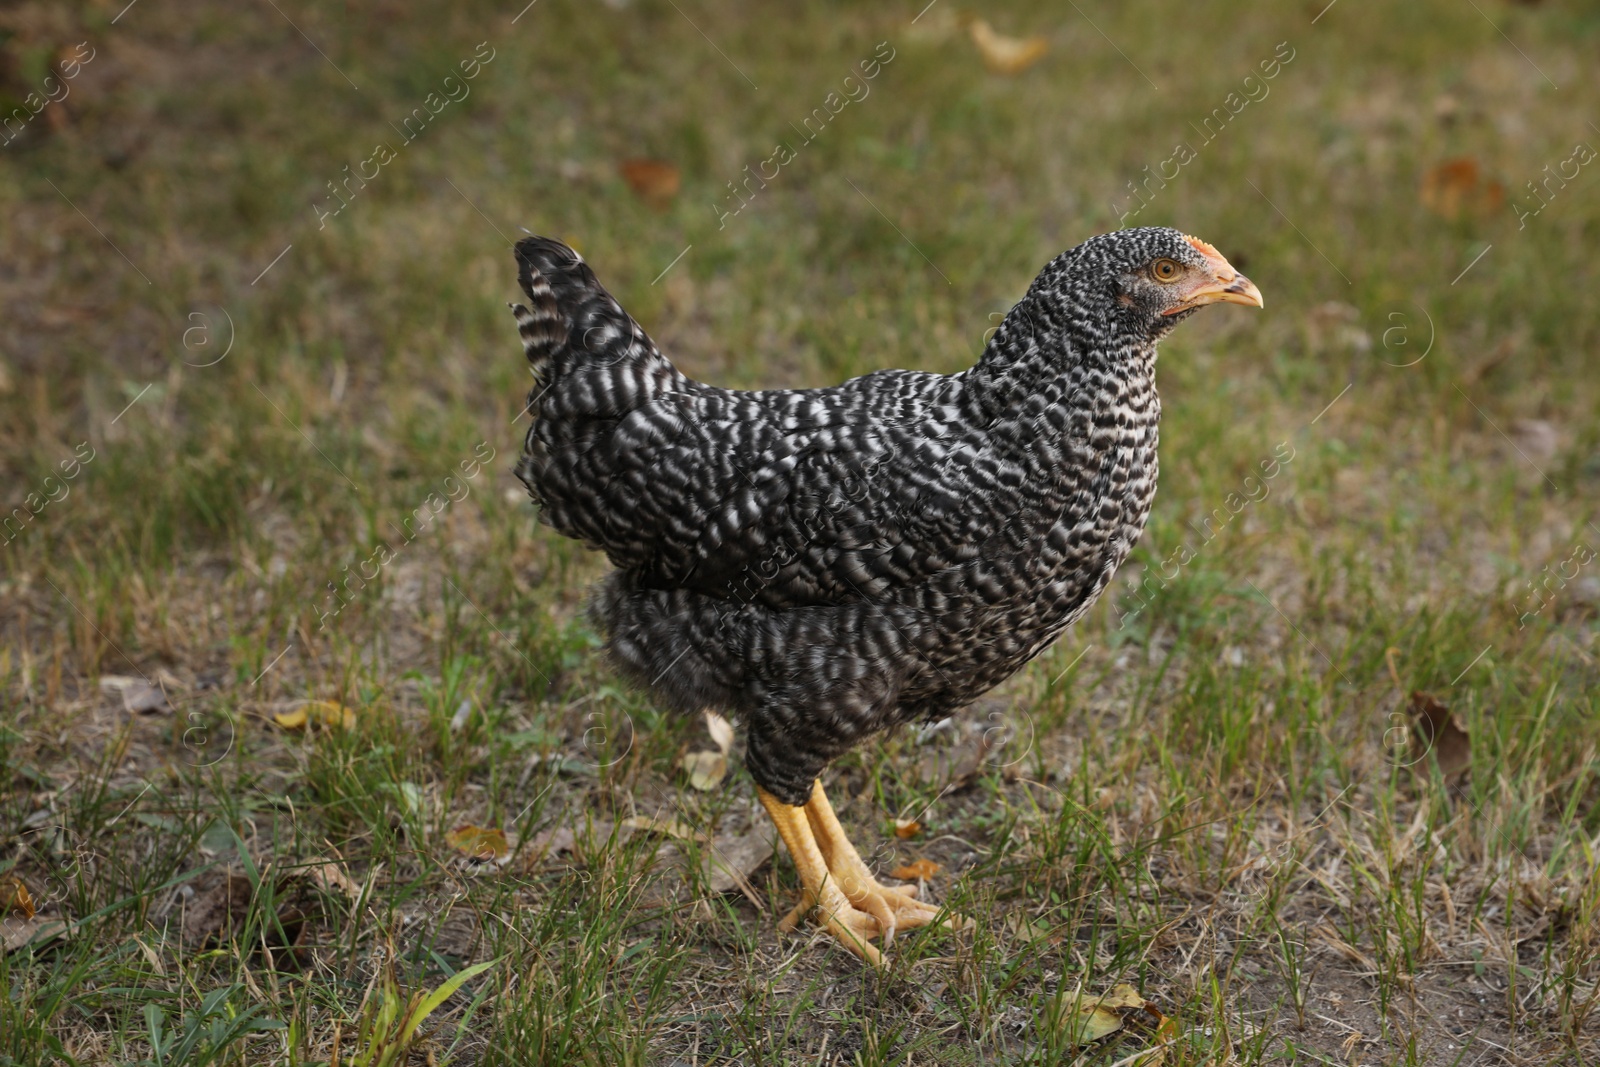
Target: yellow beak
[(1219, 284)]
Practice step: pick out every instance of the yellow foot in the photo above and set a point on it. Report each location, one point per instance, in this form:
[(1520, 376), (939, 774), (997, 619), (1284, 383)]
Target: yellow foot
[(852, 904)]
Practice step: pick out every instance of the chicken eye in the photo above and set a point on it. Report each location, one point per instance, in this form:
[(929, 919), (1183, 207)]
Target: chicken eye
[(1165, 270)]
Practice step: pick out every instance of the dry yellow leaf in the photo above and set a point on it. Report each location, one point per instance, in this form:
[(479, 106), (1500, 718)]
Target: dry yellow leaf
[(479, 842), (655, 181), (1090, 1023), (1006, 55), (1092, 1018), (915, 870), (1166, 1035), (321, 712), (1458, 187), (1122, 995), (907, 828), (706, 770), (14, 896), (721, 731), (328, 713)]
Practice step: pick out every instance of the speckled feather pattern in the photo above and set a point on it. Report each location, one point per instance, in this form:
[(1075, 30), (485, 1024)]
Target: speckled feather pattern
[(826, 563)]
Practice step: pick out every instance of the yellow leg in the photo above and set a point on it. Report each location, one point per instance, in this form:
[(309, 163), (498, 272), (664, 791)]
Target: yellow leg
[(819, 888), (895, 907), (854, 906)]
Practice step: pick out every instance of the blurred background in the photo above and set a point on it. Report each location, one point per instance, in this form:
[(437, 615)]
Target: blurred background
[(259, 398)]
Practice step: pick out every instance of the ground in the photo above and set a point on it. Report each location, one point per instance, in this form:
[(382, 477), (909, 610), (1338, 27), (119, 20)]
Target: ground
[(284, 650)]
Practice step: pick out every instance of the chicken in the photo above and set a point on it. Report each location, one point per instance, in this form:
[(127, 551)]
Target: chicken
[(827, 563)]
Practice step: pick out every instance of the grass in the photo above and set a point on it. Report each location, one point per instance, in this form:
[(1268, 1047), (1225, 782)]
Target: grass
[(1212, 789)]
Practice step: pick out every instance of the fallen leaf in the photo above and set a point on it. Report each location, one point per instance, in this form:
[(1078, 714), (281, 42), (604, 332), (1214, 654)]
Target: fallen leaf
[(138, 694), (1438, 730), (18, 932), (937, 765), (671, 827), (330, 877), (321, 712), (1166, 1035), (1090, 1022), (328, 713), (150, 957), (1092, 1018), (217, 908), (655, 181), (906, 829), (14, 896), (706, 770), (1031, 929), (142, 698), (733, 858), (972, 760), (548, 842), (217, 838), (479, 842), (915, 871), (726, 863), (721, 731), (291, 720), (1457, 187), (1006, 55), (1122, 995)]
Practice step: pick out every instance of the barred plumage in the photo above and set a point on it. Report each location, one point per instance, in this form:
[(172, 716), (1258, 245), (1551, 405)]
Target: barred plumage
[(825, 563)]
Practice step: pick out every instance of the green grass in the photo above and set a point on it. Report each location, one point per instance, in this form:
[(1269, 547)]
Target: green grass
[(1208, 790)]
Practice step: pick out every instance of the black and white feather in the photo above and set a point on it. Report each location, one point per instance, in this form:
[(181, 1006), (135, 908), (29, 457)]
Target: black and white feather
[(825, 563)]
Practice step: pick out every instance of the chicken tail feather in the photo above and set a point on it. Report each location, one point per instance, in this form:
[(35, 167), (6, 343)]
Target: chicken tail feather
[(546, 269)]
